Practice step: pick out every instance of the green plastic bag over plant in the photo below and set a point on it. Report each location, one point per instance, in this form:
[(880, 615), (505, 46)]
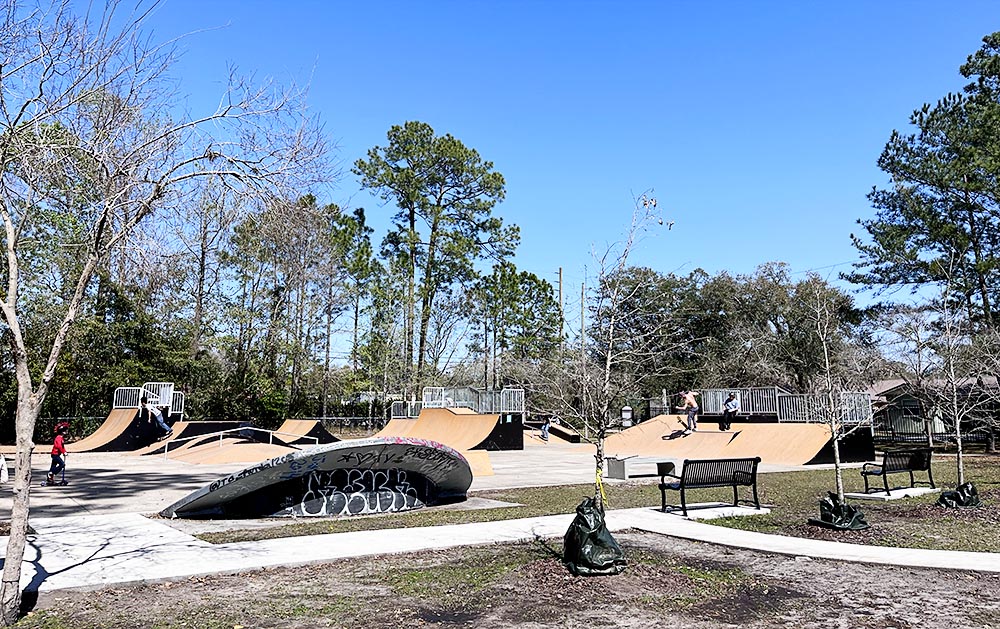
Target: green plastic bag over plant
[(588, 547)]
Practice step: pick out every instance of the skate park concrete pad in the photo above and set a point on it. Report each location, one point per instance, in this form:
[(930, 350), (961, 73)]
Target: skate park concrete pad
[(353, 477), (894, 494), (713, 511)]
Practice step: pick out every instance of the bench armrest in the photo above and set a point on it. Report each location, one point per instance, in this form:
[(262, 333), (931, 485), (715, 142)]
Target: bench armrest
[(868, 466), (744, 477)]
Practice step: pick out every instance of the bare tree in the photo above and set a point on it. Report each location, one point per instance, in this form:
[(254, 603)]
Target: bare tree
[(949, 365), (908, 345), (586, 387), (843, 371), (88, 151), (956, 389), (201, 233)]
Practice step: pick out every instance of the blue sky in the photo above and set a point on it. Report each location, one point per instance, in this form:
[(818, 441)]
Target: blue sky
[(757, 124)]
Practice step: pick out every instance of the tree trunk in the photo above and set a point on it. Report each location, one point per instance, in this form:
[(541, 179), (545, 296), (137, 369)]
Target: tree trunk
[(838, 470), (599, 472), (428, 290), (486, 355), (199, 295), (411, 305), (10, 589), (357, 314), (981, 280)]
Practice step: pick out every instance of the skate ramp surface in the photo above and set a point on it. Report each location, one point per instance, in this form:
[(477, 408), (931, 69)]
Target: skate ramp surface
[(397, 427), (786, 443), (121, 431), (184, 430), (234, 449), (458, 428), (297, 431)]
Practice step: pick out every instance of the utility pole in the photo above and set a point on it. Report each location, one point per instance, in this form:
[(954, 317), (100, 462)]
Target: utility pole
[(562, 315), (583, 352)]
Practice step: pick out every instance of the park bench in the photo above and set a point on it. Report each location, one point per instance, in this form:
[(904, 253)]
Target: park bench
[(896, 462), (705, 473)]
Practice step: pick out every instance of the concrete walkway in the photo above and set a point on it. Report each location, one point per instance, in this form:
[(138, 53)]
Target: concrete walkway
[(95, 551)]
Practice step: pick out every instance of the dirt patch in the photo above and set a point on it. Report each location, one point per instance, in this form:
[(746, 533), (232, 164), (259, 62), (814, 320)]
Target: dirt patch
[(668, 582), (5, 528)]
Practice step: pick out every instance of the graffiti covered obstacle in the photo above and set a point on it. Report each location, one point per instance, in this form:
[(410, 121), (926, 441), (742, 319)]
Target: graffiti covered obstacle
[(354, 477)]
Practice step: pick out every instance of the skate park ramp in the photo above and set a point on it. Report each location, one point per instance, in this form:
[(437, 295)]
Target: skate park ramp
[(233, 449), (350, 477), (297, 431), (121, 431), (784, 443), (182, 431), (559, 431), (397, 427), (459, 428)]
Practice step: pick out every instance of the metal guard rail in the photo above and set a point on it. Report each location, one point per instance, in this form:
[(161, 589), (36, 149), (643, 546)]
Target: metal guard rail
[(220, 434)]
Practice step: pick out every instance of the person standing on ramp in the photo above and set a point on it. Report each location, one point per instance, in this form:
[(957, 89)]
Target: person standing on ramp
[(691, 406)]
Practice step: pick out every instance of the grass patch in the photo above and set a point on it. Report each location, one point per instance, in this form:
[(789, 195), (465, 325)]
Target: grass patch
[(480, 569), (792, 496)]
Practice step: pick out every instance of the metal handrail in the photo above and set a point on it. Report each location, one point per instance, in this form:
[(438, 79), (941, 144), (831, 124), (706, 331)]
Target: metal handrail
[(221, 433)]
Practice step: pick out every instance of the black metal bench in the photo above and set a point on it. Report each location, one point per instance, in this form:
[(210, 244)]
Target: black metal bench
[(705, 473), (896, 462)]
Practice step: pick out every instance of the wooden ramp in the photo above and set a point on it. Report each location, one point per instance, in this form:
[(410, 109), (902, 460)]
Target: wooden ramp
[(785, 444), (788, 444), (120, 432), (460, 429), (397, 427), (303, 428), (186, 430), (180, 431), (212, 451), (479, 462)]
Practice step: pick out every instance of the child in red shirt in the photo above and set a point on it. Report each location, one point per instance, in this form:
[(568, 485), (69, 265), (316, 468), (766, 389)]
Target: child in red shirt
[(58, 452)]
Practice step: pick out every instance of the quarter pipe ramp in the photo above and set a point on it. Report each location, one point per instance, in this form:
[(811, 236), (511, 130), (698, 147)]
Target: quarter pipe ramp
[(776, 443)]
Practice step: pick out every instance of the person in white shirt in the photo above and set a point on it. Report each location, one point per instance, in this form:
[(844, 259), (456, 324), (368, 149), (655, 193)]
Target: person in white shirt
[(152, 414)]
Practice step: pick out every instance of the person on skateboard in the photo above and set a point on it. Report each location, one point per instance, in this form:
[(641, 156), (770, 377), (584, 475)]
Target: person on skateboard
[(153, 414), (690, 404)]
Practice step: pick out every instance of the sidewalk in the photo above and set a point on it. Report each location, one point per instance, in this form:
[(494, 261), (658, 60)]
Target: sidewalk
[(94, 551)]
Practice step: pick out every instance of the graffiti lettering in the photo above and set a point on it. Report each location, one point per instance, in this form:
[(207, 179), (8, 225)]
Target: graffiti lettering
[(368, 458), (250, 471), (355, 492)]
